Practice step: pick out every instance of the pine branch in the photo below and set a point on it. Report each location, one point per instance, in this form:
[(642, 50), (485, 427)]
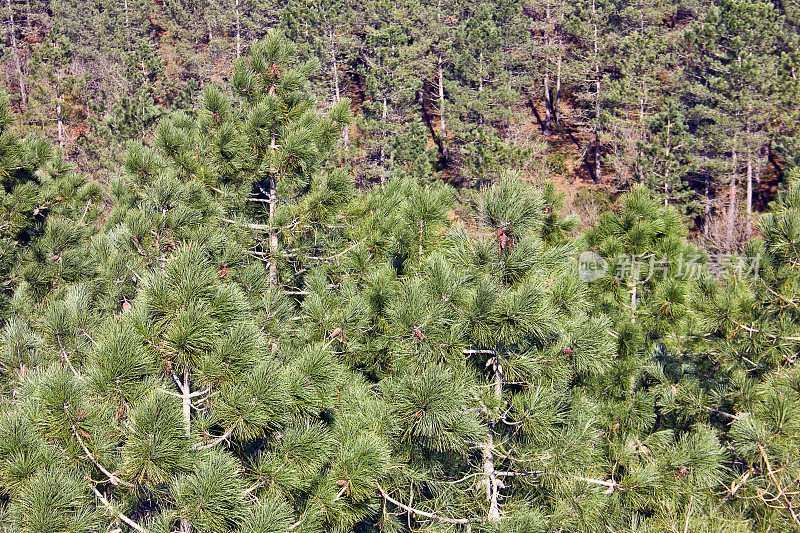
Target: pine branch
[(778, 485), (118, 514), (688, 514), (769, 335), (64, 354), (461, 521), (111, 477), (248, 225), (211, 444)]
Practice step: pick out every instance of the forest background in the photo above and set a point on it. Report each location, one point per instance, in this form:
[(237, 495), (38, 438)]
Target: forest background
[(698, 100)]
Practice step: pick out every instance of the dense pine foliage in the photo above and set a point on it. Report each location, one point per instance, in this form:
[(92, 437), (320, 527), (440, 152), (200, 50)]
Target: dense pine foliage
[(227, 334), (696, 99)]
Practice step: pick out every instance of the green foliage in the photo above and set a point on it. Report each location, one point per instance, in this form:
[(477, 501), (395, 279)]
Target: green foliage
[(233, 337)]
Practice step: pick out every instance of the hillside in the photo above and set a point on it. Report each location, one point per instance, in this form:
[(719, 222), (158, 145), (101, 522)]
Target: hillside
[(696, 100)]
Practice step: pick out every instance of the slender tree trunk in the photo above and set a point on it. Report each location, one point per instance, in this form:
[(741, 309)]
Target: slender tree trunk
[(186, 403), (238, 31), (128, 40), (597, 170), (707, 210), (557, 93), (383, 144), (749, 223), (480, 73), (442, 123), (666, 168), (490, 481), (273, 235), (210, 33), (732, 197), (643, 88), (59, 118), (548, 104), (273, 207), (60, 123), (15, 53), (749, 228), (335, 79), (633, 301)]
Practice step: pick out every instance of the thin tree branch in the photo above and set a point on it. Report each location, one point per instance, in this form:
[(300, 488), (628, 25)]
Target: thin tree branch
[(114, 512), (111, 477), (433, 516)]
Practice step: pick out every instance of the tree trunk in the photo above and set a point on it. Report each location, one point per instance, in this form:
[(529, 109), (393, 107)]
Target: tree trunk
[(666, 169), (273, 234), (480, 73), (335, 76), (186, 403), (548, 104), (749, 228), (707, 210), (383, 145), (15, 53), (558, 85), (58, 113), (490, 479), (732, 198), (597, 170), (60, 124), (442, 123), (128, 40), (634, 287), (749, 223), (238, 32), (273, 206)]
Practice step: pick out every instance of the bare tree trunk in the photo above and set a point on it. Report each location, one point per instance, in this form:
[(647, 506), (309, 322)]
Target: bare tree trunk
[(558, 85), (490, 481), (597, 170), (749, 228), (335, 76), (273, 207), (635, 285), (210, 33), (732, 197), (128, 40), (383, 144), (749, 223), (15, 52), (59, 118), (707, 210), (442, 122), (666, 169), (238, 32), (480, 73), (186, 403), (548, 104), (60, 123)]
